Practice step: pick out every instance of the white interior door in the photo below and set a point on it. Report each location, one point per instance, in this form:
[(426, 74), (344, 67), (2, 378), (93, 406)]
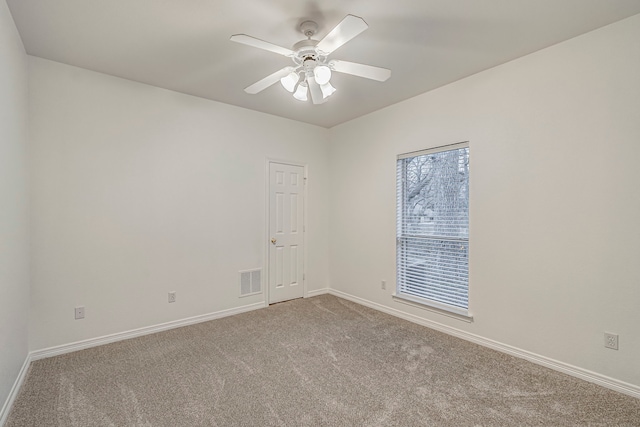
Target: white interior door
[(286, 246)]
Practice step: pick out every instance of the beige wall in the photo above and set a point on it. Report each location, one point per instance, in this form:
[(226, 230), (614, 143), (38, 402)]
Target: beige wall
[(138, 191), (555, 237), (14, 267)]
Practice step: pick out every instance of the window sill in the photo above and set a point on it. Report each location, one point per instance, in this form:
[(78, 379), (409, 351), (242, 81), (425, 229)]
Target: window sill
[(453, 312)]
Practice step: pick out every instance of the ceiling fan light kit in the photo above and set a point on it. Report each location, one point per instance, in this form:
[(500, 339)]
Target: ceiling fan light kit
[(312, 70)]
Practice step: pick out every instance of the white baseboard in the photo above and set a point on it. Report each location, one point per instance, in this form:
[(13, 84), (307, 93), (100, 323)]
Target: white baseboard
[(315, 292), (574, 371), (13, 393), (611, 383), (106, 339)]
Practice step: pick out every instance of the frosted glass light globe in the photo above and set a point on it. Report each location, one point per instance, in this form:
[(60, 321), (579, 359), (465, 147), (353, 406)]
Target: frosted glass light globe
[(322, 73), (327, 90), (301, 92), (289, 81)]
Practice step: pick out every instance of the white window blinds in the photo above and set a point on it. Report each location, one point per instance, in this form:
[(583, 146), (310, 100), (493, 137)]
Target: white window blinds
[(433, 227)]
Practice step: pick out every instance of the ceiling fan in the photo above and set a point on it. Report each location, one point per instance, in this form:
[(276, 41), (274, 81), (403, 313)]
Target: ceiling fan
[(311, 69)]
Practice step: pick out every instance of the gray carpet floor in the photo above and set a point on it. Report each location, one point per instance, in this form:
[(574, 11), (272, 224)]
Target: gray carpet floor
[(322, 361)]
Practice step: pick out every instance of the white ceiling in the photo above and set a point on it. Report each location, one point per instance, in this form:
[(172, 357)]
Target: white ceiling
[(183, 45)]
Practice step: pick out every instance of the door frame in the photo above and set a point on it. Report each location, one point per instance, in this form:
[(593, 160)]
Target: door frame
[(267, 236)]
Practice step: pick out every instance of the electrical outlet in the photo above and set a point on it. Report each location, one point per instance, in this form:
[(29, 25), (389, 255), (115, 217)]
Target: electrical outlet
[(611, 341), (79, 313), (172, 296), (383, 284)]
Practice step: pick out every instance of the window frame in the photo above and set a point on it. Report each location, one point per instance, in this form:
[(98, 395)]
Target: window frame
[(413, 300)]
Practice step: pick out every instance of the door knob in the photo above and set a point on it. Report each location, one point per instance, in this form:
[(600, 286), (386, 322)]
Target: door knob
[(273, 240)]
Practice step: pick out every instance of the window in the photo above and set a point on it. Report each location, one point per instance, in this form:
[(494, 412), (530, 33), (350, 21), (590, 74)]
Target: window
[(433, 228)]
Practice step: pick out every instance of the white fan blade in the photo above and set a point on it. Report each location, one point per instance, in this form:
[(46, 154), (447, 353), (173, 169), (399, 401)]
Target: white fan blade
[(316, 92), (268, 81), (347, 29), (360, 70), (261, 44)]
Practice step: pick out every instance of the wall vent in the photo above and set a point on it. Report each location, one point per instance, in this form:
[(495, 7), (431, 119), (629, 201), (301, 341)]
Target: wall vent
[(250, 282)]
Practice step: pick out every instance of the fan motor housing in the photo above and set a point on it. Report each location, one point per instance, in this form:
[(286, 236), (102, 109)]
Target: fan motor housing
[(306, 50)]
